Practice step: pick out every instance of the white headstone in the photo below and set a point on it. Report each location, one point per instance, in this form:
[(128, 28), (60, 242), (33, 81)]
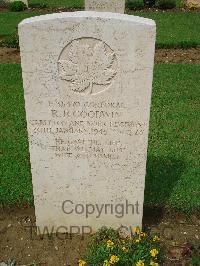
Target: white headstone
[(115, 6), (87, 81)]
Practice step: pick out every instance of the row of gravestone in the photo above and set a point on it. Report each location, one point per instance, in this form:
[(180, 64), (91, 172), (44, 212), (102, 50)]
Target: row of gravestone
[(117, 6), (87, 80)]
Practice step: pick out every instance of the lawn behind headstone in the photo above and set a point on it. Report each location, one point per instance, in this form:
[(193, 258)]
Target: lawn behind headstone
[(173, 29), (60, 3)]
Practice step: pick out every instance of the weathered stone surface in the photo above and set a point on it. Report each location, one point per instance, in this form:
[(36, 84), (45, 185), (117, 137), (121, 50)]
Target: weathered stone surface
[(193, 3), (116, 6), (87, 81)]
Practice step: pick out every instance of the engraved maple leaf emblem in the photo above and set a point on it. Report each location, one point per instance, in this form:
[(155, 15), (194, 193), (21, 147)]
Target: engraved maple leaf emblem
[(87, 66)]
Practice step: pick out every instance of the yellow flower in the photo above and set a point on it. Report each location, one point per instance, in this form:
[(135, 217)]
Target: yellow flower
[(136, 230), (140, 263), (138, 240), (143, 234), (124, 249), (156, 238), (152, 263), (110, 244), (81, 263), (113, 259), (154, 252), (106, 263)]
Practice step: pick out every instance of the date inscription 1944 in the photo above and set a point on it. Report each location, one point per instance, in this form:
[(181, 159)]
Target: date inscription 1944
[(76, 129)]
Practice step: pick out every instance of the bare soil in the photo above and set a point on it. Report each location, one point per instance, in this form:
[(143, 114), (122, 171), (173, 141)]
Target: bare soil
[(9, 55), (17, 242), (170, 56), (178, 56)]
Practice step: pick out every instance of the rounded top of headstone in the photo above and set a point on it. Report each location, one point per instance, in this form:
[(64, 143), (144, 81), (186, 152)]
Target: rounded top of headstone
[(89, 14)]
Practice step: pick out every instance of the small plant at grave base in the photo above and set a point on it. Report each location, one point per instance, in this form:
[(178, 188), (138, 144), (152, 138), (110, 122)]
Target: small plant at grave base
[(191, 251), (17, 6), (181, 3), (109, 248), (14, 263), (149, 3), (8, 263), (135, 4), (3, 4), (166, 4), (38, 5)]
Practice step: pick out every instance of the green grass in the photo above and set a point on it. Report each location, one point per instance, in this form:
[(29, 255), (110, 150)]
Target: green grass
[(173, 29), (172, 169), (60, 3), (10, 20), (173, 164), (15, 181)]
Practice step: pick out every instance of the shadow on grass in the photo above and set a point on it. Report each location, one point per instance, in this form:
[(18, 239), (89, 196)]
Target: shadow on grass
[(162, 176)]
